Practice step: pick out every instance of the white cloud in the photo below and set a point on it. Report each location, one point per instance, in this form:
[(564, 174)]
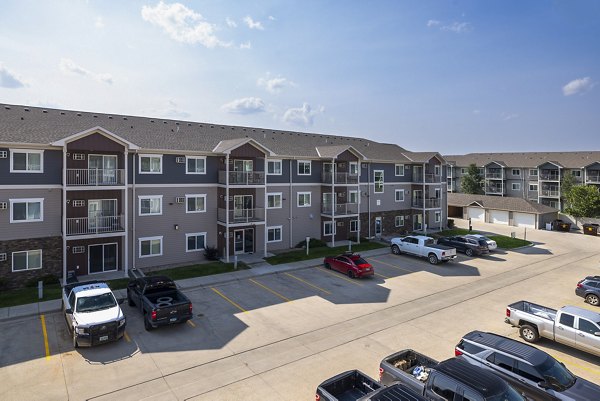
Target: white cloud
[(246, 45), (507, 116), (182, 24), (433, 22), (247, 105), (303, 116), (271, 18), (458, 27), (68, 66), (253, 24), (275, 84), (99, 23), (173, 111), (579, 85), (9, 79), (230, 23)]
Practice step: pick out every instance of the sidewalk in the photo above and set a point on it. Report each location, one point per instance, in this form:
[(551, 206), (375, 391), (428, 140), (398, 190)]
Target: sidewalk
[(21, 311)]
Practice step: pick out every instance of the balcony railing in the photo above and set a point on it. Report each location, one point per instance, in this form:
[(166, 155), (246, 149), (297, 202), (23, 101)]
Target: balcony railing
[(432, 203), (429, 178), (340, 178), (551, 193), (549, 176), (341, 209), (95, 177), (241, 215), (242, 177), (494, 190), (95, 225), (494, 176), (594, 179)]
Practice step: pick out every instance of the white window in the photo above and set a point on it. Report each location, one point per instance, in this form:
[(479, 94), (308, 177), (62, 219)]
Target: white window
[(303, 167), (195, 203), (438, 217), (533, 172), (274, 234), (273, 167), (481, 171), (554, 204), (195, 165), (399, 220), (354, 168), (463, 171), (79, 203), (354, 226), (378, 175), (150, 246), (576, 173), (26, 161), (195, 242), (328, 228), (437, 170), (516, 171), (353, 197), (26, 210), (150, 164), (274, 200), (533, 187), (303, 199), (516, 186), (150, 205), (399, 169), (399, 195), (27, 260)]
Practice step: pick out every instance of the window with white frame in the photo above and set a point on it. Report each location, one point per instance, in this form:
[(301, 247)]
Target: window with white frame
[(399, 195), (26, 161), (328, 228), (274, 167), (576, 173), (354, 226), (150, 164), (195, 203), (195, 242), (303, 167), (399, 221), (195, 164), (274, 200), (516, 186), (303, 199), (353, 168), (438, 217), (26, 210), (399, 170), (353, 197), (437, 170), (533, 187), (378, 179), (516, 171), (533, 172), (150, 246), (274, 234), (463, 171), (27, 260), (150, 205)]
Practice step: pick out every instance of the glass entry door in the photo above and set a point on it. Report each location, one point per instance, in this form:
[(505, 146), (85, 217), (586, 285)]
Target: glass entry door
[(102, 169), (243, 207), (378, 226), (102, 258), (243, 241)]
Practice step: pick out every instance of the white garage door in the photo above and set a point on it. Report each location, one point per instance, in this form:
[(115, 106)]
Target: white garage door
[(499, 216), (476, 213), (524, 220)]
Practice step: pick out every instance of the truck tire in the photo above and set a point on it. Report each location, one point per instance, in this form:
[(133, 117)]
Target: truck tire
[(469, 252), (433, 259), (351, 274), (147, 324), (129, 300), (529, 333), (592, 299), (75, 345), (396, 250), (328, 266)]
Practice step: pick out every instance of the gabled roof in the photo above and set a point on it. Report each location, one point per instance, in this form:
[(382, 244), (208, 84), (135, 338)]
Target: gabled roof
[(424, 157), (333, 151), (557, 164), (97, 129), (527, 159), (228, 145), (511, 204), (498, 162)]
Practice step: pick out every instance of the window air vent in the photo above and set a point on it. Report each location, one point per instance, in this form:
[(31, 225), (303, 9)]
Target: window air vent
[(3, 205), (78, 156), (3, 154), (180, 199), (79, 203), (78, 249), (2, 257), (180, 159)]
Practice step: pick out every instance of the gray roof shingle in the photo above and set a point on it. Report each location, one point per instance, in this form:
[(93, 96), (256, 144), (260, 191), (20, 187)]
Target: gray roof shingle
[(512, 204), (526, 159)]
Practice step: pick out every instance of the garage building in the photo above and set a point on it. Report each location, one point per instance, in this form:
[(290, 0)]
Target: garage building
[(515, 212)]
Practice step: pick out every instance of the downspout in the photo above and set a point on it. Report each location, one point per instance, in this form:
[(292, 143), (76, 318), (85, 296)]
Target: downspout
[(291, 197), (134, 204), (423, 224), (559, 190), (126, 216), (333, 202), (358, 200), (265, 167), (442, 196), (64, 213), (369, 199), (227, 208)]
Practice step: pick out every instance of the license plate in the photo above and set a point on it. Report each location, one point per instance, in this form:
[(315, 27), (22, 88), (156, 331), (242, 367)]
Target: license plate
[(173, 319), (103, 338)]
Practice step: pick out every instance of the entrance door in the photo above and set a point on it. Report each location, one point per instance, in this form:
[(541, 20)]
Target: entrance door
[(243, 241), (378, 226), (102, 169), (327, 202), (102, 215), (418, 222), (243, 207), (102, 258)]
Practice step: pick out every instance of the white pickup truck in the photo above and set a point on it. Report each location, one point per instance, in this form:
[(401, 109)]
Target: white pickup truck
[(92, 313), (425, 247), (576, 327)]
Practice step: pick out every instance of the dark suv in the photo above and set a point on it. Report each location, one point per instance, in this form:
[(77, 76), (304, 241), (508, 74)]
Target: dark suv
[(529, 370), (470, 246), (589, 288)]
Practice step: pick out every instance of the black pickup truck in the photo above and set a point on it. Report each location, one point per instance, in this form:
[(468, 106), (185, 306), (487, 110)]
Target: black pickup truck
[(159, 300)]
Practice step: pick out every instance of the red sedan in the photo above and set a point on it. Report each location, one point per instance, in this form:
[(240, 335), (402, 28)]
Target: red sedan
[(351, 264)]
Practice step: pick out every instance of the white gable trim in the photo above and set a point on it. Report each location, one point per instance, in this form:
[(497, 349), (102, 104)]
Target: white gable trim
[(99, 130)]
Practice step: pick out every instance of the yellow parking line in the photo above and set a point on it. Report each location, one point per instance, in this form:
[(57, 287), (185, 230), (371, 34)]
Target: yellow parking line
[(127, 338), (228, 300), (339, 276), (307, 283), (592, 370), (190, 323), (381, 275), (271, 291), (42, 317), (390, 265)]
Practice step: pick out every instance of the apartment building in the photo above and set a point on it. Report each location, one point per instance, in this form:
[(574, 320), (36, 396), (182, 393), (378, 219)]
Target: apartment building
[(535, 176), (89, 193)]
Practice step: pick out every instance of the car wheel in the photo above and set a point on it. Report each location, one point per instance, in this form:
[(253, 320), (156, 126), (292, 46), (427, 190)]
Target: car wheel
[(529, 333), (75, 345), (351, 274), (147, 324), (327, 266), (396, 250), (592, 299), (432, 259), (469, 252)]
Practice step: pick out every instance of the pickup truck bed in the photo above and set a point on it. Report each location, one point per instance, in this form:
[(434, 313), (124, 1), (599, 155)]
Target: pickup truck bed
[(348, 386), (403, 364), (535, 309)]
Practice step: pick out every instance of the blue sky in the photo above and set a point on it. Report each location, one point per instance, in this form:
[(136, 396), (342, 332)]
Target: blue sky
[(450, 76)]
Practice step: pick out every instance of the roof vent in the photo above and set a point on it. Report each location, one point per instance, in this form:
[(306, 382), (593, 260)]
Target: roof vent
[(132, 126), (22, 118), (189, 124), (124, 118), (110, 117), (7, 107), (62, 113), (79, 114), (44, 111), (26, 109), (164, 122), (94, 116), (151, 121), (222, 127), (212, 126), (177, 123)]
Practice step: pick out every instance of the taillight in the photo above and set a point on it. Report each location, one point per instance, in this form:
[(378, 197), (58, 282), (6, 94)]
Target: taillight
[(153, 315), (457, 352), (380, 373), (507, 312), (579, 285), (317, 397), (190, 308)]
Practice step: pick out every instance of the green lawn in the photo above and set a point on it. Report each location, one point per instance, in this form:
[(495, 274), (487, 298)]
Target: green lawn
[(295, 256), (204, 269), (503, 241)]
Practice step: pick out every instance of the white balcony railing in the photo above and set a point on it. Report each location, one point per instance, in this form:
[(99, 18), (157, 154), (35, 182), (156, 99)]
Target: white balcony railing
[(549, 176), (429, 178), (95, 225), (595, 179), (432, 203), (493, 176), (551, 193), (340, 178), (95, 177), (341, 209), (241, 215), (494, 190), (242, 177)]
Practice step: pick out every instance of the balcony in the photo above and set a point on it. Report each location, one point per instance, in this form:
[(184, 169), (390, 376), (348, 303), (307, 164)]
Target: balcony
[(95, 225), (341, 209), (494, 176), (431, 203), (340, 178), (237, 216), (242, 177), (550, 193), (549, 176), (494, 190), (429, 178), (592, 179), (95, 177)]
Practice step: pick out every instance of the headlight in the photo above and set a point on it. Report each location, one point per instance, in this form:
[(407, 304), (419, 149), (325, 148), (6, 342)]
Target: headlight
[(122, 322), (82, 330)]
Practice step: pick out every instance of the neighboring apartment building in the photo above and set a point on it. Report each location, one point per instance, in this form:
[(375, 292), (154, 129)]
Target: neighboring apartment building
[(534, 176), (90, 193)]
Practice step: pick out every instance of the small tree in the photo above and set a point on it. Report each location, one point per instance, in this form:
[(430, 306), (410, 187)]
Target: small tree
[(471, 183), (583, 201), (566, 186)]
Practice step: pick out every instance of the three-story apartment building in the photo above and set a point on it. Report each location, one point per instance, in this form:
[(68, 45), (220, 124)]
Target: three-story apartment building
[(89, 193)]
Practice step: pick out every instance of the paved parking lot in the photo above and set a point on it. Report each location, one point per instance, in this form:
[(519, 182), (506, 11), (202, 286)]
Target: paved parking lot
[(278, 336)]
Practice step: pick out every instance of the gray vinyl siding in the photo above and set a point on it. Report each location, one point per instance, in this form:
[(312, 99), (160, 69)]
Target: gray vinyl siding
[(315, 172), (173, 172), (281, 217), (50, 227), (306, 221), (52, 174), (285, 173)]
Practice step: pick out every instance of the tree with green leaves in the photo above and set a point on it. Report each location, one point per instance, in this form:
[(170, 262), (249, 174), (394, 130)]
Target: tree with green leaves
[(583, 201), (471, 183), (566, 185)]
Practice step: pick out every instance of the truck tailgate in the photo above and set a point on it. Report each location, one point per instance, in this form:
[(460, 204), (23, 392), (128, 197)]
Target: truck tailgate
[(348, 386)]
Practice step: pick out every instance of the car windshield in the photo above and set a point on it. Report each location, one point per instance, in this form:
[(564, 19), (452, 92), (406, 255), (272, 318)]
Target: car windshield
[(556, 374), (509, 395), (360, 261), (95, 303)]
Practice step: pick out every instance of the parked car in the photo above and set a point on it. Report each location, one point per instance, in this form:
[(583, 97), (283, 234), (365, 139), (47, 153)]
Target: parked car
[(469, 246), (453, 379), (492, 246), (92, 313), (351, 264), (159, 301), (529, 370), (576, 327), (589, 288), (425, 247), (354, 385)]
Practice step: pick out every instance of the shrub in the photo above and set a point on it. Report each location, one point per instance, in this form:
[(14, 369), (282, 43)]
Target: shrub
[(211, 253), (450, 223), (47, 279), (314, 243)]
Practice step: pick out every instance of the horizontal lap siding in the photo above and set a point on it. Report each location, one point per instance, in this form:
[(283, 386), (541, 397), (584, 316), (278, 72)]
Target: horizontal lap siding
[(51, 226)]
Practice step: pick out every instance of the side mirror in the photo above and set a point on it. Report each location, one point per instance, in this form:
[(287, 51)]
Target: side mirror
[(597, 333), (544, 385), (69, 311), (120, 300)]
